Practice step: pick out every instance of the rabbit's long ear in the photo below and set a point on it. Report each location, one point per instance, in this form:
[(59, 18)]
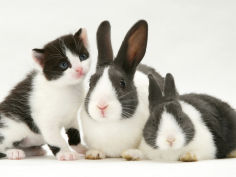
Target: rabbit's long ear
[(105, 53), (155, 93), (133, 48), (169, 88)]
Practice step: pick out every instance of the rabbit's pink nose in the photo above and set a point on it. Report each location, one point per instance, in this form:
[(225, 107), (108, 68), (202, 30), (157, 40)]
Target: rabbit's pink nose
[(170, 140), (102, 107)]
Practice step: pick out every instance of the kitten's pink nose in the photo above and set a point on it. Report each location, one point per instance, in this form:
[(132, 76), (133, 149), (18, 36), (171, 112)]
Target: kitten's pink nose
[(79, 70), (170, 140)]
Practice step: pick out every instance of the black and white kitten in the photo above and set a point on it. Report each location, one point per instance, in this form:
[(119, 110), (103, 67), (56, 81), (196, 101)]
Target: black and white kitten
[(47, 100)]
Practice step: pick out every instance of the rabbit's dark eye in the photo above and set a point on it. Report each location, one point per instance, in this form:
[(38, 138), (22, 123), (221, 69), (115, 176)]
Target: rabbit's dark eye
[(122, 84), (83, 57), (64, 65)]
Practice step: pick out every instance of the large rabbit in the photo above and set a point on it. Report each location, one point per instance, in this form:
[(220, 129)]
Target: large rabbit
[(116, 106)]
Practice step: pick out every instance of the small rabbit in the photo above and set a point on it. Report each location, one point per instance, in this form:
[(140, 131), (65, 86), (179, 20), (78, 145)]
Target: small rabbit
[(116, 106), (187, 127)]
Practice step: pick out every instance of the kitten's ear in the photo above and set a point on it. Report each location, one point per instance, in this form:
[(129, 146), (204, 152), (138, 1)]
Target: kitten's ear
[(133, 47), (169, 87), (155, 93), (38, 56), (82, 35), (105, 52)]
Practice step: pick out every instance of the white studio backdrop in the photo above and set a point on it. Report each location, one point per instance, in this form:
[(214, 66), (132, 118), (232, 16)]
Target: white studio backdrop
[(195, 40)]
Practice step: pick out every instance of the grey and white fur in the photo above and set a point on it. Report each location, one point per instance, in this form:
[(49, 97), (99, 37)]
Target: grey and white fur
[(116, 106), (46, 101), (187, 127)]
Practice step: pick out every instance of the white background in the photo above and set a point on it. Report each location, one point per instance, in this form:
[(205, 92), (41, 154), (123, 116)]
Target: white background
[(194, 40)]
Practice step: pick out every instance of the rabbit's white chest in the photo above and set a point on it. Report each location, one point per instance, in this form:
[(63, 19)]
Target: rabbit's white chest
[(112, 138), (154, 154)]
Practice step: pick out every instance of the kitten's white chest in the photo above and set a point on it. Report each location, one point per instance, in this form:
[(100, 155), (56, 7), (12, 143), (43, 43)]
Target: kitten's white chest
[(55, 104)]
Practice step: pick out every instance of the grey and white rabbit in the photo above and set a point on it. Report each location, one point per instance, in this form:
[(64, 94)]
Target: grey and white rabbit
[(187, 127), (46, 101), (116, 106)]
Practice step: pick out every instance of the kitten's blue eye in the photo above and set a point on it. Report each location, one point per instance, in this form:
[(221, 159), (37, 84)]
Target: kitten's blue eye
[(83, 57), (64, 65)]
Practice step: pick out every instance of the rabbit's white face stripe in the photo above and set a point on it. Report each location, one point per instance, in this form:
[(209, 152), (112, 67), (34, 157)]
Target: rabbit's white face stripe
[(104, 96), (169, 134)]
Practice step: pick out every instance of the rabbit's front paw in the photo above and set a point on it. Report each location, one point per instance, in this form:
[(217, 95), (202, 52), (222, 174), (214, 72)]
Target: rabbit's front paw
[(232, 154), (132, 154), (188, 157), (67, 156), (95, 155)]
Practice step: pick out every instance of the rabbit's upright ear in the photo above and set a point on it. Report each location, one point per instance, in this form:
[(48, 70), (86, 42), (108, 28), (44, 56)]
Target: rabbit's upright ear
[(105, 53), (155, 93), (169, 87), (133, 48)]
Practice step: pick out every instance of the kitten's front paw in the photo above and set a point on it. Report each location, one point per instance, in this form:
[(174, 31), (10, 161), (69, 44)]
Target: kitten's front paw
[(15, 154), (81, 149), (188, 157), (95, 155), (67, 156), (132, 154)]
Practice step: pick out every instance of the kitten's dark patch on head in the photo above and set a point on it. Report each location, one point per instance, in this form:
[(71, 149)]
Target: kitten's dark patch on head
[(53, 54), (73, 136), (16, 105), (54, 149)]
